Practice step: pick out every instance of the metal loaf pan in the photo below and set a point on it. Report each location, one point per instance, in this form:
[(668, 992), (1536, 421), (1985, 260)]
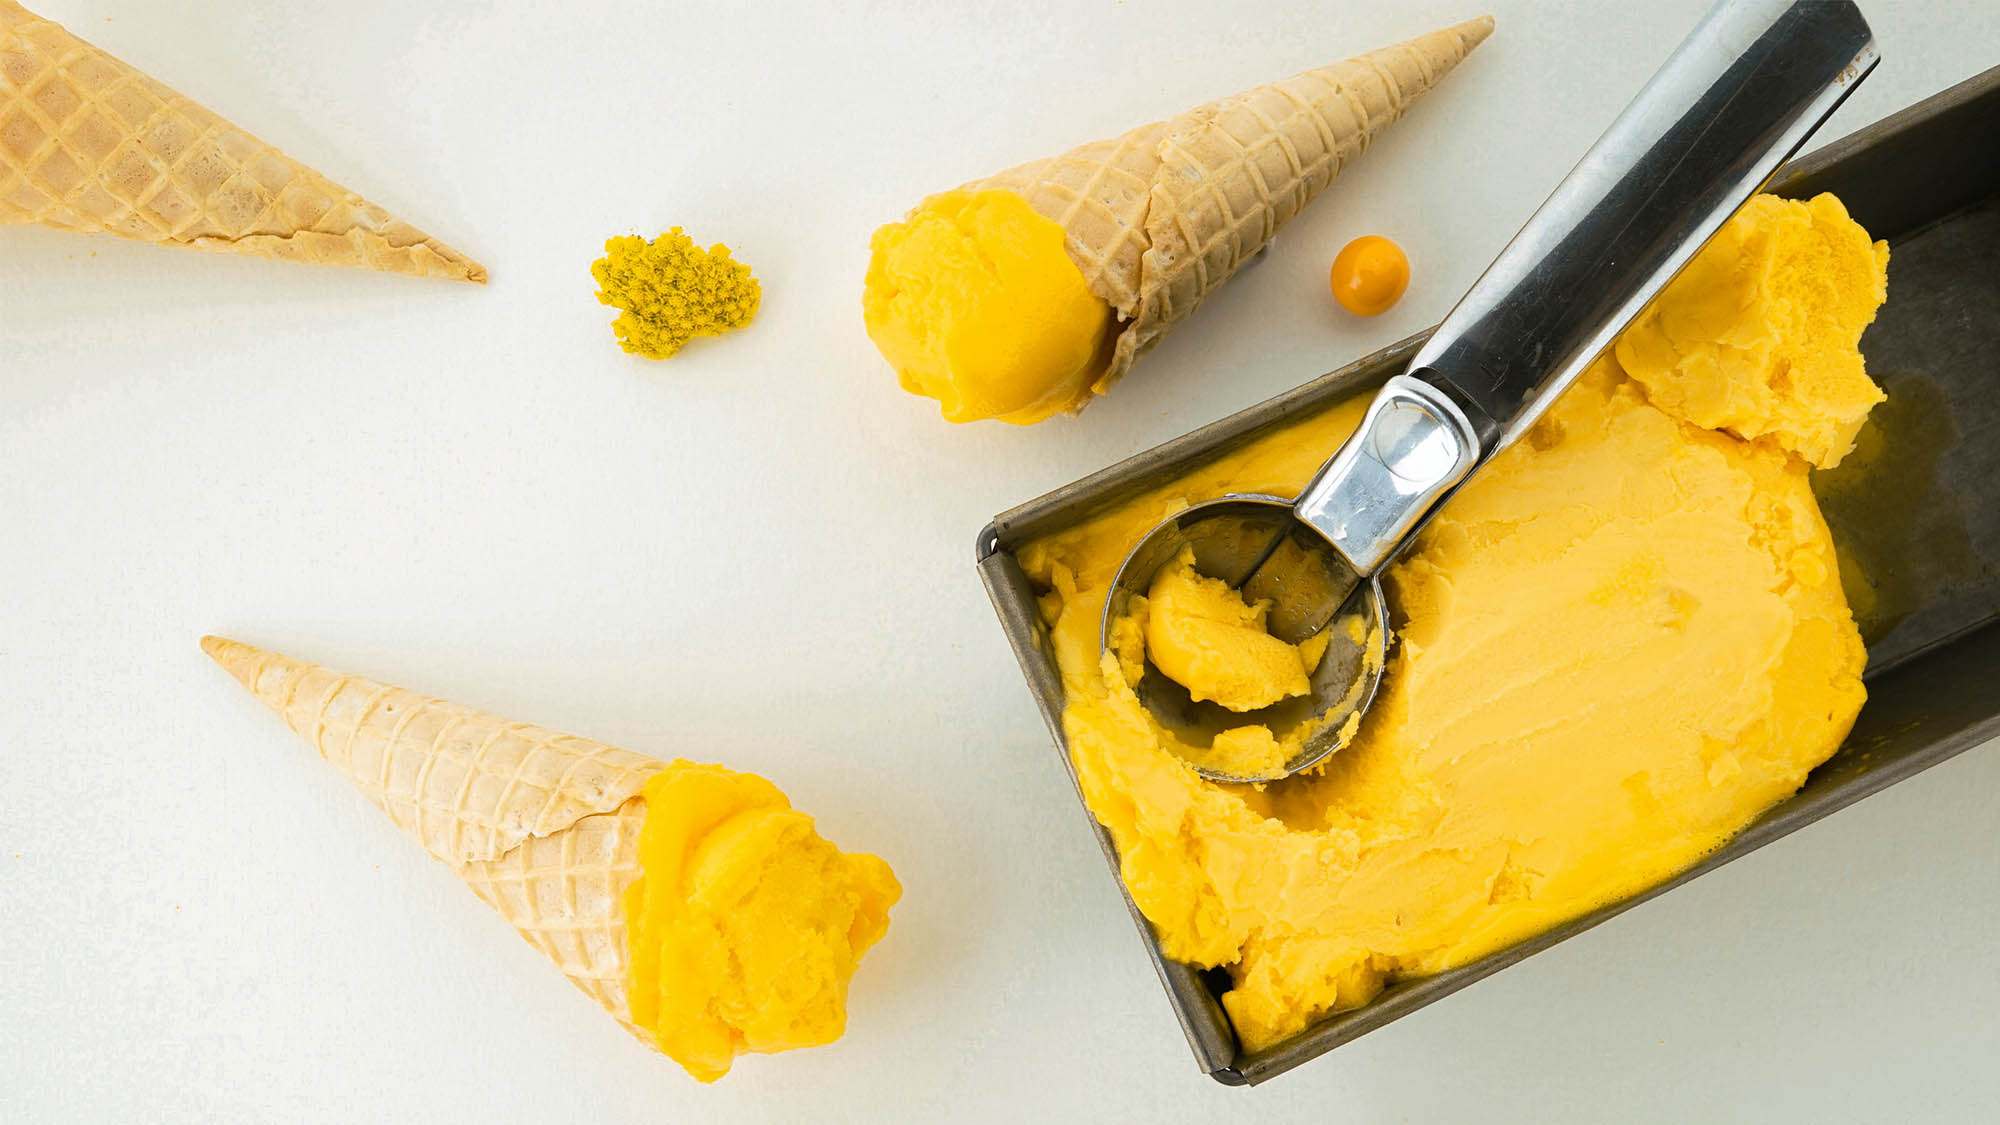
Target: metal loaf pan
[(1924, 520)]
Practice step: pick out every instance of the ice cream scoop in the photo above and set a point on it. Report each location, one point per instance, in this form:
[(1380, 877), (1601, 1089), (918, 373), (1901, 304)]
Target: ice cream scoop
[(1736, 99)]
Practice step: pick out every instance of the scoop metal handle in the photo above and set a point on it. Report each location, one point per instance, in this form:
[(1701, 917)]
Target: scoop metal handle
[(1736, 99)]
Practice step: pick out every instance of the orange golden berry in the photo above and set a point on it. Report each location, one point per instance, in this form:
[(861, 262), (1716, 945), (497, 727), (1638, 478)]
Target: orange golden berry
[(1369, 275)]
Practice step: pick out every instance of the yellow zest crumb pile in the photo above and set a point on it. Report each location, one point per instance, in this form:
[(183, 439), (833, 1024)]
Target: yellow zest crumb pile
[(671, 291)]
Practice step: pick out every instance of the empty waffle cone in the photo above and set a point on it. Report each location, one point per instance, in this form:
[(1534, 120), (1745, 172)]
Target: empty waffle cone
[(543, 826), (89, 143), (1159, 217)]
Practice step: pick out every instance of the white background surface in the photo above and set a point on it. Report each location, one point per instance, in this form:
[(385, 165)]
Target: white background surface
[(760, 554)]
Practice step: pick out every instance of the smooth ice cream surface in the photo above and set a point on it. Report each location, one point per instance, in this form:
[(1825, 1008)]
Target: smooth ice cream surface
[(1615, 648), (1203, 635), (1761, 334), (746, 925), (1200, 633), (975, 302)]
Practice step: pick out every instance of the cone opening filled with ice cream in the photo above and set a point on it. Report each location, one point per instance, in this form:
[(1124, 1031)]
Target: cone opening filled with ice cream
[(1028, 293), (691, 901)]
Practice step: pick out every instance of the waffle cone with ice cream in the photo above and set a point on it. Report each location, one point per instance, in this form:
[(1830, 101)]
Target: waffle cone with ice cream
[(972, 296), (690, 901), (89, 143)]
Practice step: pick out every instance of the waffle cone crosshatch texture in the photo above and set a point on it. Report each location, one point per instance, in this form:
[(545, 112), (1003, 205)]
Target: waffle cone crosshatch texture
[(1148, 224), (1159, 217), (569, 694), (580, 845), (90, 144)]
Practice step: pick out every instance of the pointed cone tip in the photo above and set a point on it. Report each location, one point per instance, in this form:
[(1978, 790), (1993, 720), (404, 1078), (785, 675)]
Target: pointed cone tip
[(367, 239), (235, 657), (1456, 41)]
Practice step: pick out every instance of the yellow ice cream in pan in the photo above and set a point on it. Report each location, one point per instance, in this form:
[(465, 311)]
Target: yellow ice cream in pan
[(1616, 647), (706, 914), (1027, 293)]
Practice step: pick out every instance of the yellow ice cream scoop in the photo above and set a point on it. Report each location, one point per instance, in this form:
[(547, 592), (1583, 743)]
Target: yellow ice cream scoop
[(1201, 632), (1698, 141), (975, 303), (744, 924), (1764, 340)]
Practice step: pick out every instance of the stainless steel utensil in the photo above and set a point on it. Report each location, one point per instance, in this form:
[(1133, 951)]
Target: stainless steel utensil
[(1733, 102)]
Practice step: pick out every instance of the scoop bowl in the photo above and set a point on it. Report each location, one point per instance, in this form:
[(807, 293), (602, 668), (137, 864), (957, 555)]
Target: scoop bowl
[(1233, 539)]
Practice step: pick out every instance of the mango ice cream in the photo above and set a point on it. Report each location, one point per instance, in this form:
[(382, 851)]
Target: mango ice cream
[(693, 902), (1617, 646), (1027, 293), (744, 924), (1762, 336), (1204, 635), (975, 303)]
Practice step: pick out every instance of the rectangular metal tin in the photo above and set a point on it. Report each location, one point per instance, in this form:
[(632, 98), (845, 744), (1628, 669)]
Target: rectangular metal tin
[(1928, 180)]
